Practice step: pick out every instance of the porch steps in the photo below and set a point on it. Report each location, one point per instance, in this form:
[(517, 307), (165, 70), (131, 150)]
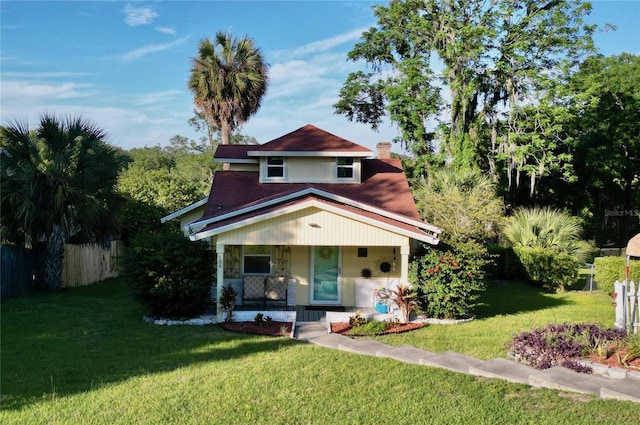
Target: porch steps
[(504, 369), (564, 379), (607, 386), (452, 361), (404, 353), (368, 347)]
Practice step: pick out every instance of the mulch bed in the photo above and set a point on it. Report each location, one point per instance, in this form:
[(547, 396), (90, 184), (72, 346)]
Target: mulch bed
[(612, 361), (272, 329), (343, 328)]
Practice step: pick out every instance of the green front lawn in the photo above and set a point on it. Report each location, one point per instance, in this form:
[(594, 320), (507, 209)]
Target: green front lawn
[(85, 356), (507, 309)]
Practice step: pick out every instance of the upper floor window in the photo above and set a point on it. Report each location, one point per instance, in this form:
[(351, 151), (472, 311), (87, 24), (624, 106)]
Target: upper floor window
[(345, 168), (275, 167)]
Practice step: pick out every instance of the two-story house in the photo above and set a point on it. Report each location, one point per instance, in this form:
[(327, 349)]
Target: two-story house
[(315, 208)]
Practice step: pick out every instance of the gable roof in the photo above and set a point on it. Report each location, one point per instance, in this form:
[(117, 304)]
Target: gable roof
[(184, 210), (234, 153), (382, 195), (309, 140), (308, 200)]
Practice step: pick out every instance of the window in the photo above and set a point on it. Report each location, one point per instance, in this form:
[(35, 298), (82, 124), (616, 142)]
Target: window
[(345, 168), (256, 259), (275, 167)]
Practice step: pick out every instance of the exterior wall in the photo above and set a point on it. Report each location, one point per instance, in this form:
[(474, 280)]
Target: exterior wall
[(352, 264), (189, 217), (300, 271), (244, 167), (312, 226), (311, 170)]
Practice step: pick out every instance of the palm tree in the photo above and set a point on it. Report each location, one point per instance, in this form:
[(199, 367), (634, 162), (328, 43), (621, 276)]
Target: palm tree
[(58, 183), (228, 80), (462, 202), (547, 228)]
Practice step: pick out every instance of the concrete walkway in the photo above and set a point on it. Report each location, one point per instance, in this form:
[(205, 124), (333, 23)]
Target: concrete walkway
[(607, 383)]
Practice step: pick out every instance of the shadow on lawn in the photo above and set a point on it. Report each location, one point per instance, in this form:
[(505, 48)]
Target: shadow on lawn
[(72, 342), (506, 297)]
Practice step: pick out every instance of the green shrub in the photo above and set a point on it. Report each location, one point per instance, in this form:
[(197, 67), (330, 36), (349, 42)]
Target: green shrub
[(371, 327), (504, 264), (447, 283), (609, 269), (549, 269), (168, 273)]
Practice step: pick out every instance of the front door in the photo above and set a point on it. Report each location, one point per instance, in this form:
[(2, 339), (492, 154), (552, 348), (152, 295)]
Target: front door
[(325, 273)]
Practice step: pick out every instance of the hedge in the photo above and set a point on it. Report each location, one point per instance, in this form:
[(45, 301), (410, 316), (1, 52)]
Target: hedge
[(547, 268), (609, 269)]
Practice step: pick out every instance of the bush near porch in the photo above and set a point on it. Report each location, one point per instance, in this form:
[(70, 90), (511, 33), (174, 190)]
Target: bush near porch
[(169, 274), (447, 283)]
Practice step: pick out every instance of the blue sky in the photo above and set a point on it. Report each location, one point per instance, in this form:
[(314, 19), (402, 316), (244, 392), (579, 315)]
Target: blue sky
[(124, 65)]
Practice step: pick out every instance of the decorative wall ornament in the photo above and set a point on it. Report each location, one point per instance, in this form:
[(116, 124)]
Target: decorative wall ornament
[(326, 252)]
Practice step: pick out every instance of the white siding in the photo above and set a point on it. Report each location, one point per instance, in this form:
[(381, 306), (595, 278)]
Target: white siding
[(312, 226), (311, 170)]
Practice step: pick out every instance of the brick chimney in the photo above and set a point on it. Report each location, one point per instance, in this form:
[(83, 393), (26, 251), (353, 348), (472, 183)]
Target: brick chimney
[(384, 150)]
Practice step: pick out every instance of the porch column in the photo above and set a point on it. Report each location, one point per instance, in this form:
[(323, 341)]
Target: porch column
[(219, 280), (404, 264)]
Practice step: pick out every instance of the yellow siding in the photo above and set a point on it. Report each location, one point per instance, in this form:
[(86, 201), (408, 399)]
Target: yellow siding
[(300, 270), (189, 217), (312, 226), (352, 264)]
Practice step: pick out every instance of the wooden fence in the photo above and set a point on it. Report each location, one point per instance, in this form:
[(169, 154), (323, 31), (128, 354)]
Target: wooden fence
[(89, 263), (16, 276), (627, 302), (22, 269)]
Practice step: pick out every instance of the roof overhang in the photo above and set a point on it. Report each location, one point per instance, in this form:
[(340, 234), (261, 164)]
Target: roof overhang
[(418, 234), (336, 204), (194, 226), (237, 160), (184, 210), (341, 154)]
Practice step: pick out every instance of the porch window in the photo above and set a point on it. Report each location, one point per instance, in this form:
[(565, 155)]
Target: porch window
[(256, 259), (275, 167), (345, 168)]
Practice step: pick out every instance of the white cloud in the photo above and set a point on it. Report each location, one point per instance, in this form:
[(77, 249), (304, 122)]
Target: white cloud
[(43, 74), (320, 45), (135, 16), (156, 97), (166, 30), (25, 89), (152, 48)]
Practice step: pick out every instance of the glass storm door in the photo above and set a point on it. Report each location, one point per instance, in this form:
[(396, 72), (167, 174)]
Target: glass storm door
[(325, 271)]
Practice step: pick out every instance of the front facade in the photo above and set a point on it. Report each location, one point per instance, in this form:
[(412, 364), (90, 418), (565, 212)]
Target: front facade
[(314, 209)]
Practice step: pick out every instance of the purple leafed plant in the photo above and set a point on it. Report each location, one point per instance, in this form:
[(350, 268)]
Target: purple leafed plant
[(561, 345)]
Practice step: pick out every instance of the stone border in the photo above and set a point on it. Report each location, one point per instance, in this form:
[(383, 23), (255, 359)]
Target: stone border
[(339, 316), (238, 316), (205, 319)]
